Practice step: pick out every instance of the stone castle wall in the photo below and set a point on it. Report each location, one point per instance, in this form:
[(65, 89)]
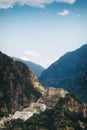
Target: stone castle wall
[(55, 91)]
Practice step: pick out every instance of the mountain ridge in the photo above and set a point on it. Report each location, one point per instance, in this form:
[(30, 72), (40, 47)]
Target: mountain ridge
[(69, 72), (17, 88), (36, 68)]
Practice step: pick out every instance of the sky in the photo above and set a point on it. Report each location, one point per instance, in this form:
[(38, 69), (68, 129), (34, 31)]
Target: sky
[(42, 31)]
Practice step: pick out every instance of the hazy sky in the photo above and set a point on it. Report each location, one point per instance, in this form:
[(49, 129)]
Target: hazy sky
[(42, 30)]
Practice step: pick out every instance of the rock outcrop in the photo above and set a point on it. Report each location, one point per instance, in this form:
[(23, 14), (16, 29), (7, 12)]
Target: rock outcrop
[(36, 83)]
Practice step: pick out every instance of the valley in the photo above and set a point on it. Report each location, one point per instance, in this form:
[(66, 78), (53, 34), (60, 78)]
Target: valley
[(43, 64), (27, 104)]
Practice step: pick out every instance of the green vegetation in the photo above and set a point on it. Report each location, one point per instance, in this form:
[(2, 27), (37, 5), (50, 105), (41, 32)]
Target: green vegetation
[(58, 118), (16, 86)]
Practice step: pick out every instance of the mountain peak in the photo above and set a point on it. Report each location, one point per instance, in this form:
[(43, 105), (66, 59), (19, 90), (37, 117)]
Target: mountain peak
[(69, 72)]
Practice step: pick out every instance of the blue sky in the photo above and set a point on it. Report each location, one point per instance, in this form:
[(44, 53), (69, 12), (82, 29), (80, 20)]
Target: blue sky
[(42, 30)]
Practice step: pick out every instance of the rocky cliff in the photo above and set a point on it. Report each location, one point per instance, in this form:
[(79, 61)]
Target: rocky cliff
[(18, 85)]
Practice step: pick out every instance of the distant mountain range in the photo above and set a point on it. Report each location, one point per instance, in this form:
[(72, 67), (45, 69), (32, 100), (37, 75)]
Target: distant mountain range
[(69, 72), (18, 85), (37, 69)]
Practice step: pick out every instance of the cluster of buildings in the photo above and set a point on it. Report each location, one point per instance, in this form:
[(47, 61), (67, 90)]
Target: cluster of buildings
[(25, 114), (38, 107)]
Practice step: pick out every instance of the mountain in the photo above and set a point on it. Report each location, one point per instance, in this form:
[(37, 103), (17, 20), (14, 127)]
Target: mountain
[(18, 85), (37, 69), (69, 72), (68, 114)]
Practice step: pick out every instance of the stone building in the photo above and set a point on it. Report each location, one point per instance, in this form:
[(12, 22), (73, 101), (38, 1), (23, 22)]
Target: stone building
[(55, 91)]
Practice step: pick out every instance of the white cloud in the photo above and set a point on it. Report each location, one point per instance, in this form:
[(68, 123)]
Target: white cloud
[(24, 58), (66, 1), (34, 3), (30, 53), (64, 12)]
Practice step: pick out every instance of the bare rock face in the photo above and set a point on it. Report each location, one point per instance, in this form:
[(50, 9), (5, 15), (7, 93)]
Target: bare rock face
[(36, 83), (17, 85)]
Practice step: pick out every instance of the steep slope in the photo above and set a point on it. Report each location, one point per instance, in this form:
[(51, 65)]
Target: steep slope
[(37, 69), (18, 85), (68, 114), (69, 72)]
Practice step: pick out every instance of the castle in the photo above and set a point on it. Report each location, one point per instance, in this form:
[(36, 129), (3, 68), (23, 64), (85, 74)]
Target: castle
[(55, 91)]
